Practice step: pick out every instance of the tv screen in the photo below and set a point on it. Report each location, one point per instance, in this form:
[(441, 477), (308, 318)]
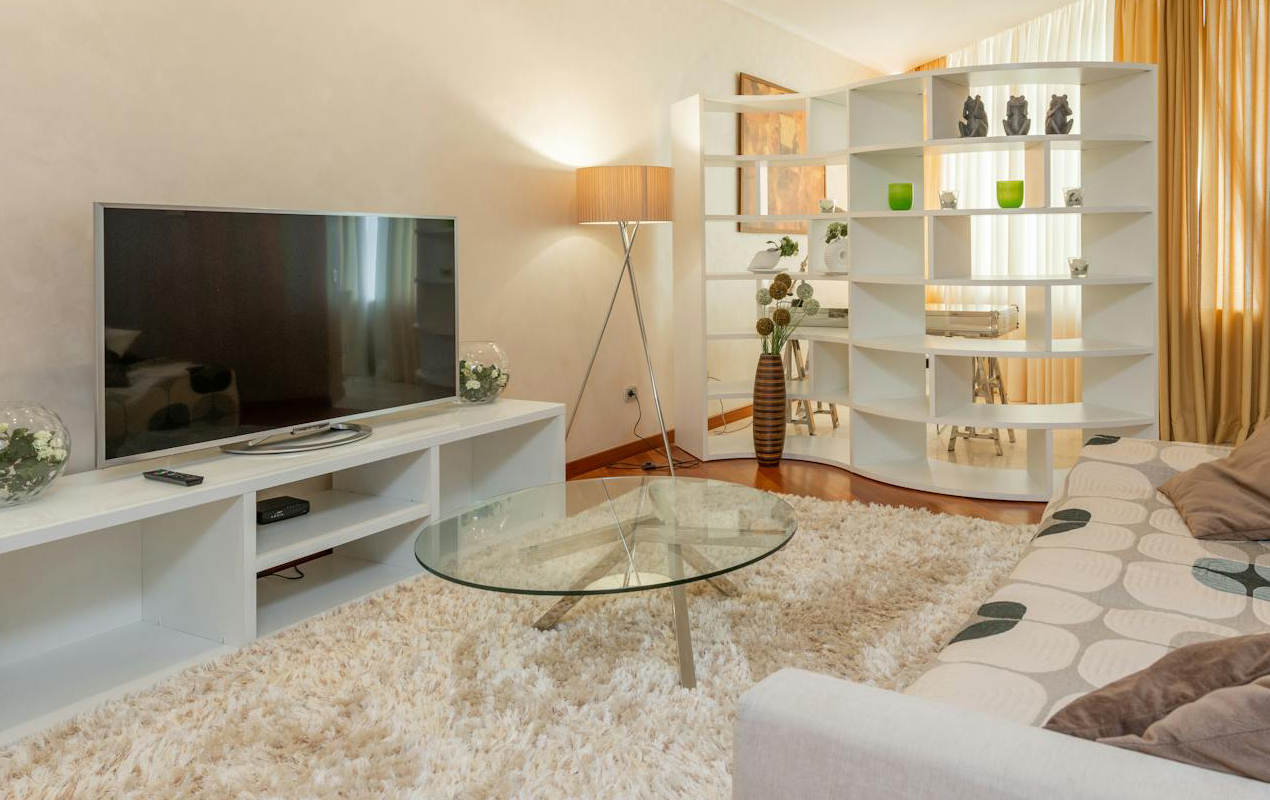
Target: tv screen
[(223, 325)]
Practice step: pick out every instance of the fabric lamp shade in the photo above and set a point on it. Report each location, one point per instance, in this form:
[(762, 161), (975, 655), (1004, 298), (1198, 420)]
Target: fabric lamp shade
[(624, 194)]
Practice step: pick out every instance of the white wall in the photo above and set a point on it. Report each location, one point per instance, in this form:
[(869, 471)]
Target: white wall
[(478, 109)]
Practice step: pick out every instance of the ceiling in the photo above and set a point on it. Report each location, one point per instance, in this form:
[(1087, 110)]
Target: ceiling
[(894, 35)]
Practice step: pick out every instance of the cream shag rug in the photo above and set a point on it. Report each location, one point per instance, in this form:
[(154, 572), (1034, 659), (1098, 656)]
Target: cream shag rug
[(437, 690)]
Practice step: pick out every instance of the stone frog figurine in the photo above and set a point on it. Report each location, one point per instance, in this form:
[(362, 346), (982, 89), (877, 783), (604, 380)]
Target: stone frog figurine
[(976, 118), (1016, 122), (1059, 118)]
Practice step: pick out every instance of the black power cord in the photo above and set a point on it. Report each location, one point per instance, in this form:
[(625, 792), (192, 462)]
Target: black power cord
[(297, 576), (650, 466)]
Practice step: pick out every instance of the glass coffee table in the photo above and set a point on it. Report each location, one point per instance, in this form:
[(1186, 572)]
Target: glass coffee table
[(609, 536)]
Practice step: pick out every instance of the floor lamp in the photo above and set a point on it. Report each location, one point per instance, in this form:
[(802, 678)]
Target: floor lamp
[(625, 196)]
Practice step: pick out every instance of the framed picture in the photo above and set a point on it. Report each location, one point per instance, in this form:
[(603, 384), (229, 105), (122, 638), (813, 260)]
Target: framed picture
[(783, 190)]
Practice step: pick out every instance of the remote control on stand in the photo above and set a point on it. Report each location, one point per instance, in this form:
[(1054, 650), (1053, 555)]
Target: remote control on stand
[(171, 476)]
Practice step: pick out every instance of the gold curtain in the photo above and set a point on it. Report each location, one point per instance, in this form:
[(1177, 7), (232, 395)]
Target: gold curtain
[(1214, 69), (934, 63)]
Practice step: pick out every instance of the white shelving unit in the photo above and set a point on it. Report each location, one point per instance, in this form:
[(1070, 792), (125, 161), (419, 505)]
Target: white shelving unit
[(894, 378), (109, 581)]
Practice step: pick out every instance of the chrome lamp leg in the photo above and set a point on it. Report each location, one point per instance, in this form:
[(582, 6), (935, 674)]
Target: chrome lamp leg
[(628, 231)]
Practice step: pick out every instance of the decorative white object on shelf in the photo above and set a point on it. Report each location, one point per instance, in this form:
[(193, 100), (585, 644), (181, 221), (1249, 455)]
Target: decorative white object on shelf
[(948, 199), (837, 253), (828, 205), (892, 377), (768, 260), (1073, 197), (765, 261), (837, 257), (1078, 267)]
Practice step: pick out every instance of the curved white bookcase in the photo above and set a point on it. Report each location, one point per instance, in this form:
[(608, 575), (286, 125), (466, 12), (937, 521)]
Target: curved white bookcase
[(892, 378)]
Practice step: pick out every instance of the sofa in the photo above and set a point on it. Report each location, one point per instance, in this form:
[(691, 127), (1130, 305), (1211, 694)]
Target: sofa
[(1111, 581)]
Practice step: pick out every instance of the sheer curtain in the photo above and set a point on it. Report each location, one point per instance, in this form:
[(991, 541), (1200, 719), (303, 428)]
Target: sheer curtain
[(1029, 245), (395, 339)]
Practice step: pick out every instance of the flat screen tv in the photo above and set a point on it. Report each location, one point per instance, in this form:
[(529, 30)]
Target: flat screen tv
[(218, 326)]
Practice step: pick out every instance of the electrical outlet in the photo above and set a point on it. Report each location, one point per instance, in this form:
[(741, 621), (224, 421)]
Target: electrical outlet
[(630, 394)]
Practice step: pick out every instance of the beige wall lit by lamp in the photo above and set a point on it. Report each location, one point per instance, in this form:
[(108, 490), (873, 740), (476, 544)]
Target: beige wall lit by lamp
[(626, 196)]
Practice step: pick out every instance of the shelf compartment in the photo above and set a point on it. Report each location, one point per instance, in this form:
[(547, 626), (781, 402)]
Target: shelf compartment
[(1004, 348), (1120, 382), (1124, 242), (774, 217), (328, 582), (881, 310), (994, 144), (878, 376), (870, 174), (916, 473), (881, 110), (876, 439), (993, 212), (888, 245), (794, 390), (912, 409), (1051, 416), (1108, 311), (335, 518), (823, 448), (962, 480), (806, 334), (58, 681), (767, 276), (1074, 73), (1007, 280), (1015, 415)]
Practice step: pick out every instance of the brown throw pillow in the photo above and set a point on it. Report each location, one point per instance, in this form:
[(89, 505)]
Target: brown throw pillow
[(1228, 730), (1228, 498), (1131, 705)]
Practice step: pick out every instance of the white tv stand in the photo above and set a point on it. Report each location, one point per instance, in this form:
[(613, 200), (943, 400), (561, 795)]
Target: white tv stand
[(110, 581)]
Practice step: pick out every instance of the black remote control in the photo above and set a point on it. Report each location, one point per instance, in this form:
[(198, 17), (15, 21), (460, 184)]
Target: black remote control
[(169, 476)]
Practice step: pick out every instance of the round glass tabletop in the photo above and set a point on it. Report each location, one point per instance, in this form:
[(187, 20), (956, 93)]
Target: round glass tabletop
[(606, 535)]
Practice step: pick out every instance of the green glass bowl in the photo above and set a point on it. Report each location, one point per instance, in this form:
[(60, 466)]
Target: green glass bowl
[(899, 196), (1010, 194)]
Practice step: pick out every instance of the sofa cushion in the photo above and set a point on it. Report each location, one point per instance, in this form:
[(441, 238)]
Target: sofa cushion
[(1130, 706), (1227, 729), (1112, 581), (1228, 498)]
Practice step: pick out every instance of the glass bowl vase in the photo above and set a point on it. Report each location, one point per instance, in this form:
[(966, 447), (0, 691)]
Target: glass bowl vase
[(34, 448), (483, 372)]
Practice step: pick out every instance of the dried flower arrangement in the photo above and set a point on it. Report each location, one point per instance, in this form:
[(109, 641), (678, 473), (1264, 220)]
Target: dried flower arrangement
[(779, 324)]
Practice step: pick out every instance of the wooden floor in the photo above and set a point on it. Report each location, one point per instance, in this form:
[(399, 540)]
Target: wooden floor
[(828, 483)]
